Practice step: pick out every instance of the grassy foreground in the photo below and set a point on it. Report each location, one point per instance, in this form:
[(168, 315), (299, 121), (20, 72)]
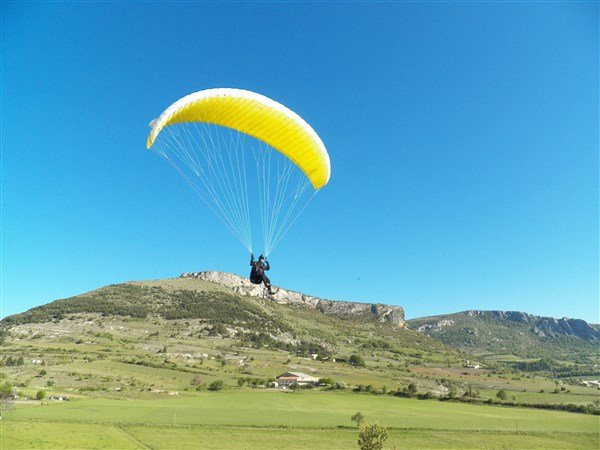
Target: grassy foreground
[(62, 435), (270, 419)]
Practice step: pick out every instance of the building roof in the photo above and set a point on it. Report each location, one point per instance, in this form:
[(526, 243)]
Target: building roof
[(299, 376)]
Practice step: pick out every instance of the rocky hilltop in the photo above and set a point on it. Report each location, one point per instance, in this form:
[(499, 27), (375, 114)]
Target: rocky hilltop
[(344, 309)]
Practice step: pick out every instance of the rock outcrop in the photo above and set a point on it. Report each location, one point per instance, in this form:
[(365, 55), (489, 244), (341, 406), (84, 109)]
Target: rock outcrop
[(383, 313)]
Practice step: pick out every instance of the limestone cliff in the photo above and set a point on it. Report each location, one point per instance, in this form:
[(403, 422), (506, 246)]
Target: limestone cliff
[(383, 313)]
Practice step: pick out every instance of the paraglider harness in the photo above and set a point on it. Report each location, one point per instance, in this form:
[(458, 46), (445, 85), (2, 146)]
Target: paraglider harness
[(257, 273)]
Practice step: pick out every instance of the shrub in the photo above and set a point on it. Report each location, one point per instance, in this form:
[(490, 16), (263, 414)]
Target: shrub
[(502, 394), (218, 329), (216, 385), (358, 418), (40, 395), (470, 392), (356, 360), (426, 396), (6, 390), (371, 437), (253, 382), (326, 382)]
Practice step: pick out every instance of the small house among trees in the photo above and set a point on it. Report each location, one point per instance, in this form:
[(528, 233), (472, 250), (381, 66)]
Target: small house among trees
[(289, 378)]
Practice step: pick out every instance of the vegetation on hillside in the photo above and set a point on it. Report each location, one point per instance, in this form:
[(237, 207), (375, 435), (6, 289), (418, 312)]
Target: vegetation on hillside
[(518, 341), (182, 339)]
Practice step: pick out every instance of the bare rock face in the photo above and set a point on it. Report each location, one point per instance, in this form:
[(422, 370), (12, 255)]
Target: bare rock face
[(349, 310)]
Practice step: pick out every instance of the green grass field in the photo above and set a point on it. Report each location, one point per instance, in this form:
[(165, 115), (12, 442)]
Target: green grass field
[(75, 435), (272, 419)]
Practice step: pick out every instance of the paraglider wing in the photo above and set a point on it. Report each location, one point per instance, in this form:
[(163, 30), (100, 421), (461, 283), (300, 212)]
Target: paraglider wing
[(257, 116), (253, 161)]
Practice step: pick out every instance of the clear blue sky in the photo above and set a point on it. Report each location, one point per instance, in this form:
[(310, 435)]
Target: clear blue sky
[(463, 138)]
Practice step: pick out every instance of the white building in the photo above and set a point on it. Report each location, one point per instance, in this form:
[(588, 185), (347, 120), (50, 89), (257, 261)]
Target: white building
[(289, 378)]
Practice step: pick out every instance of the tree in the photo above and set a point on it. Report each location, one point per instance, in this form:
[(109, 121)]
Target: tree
[(6, 398), (357, 360), (196, 381), (412, 389), (502, 394), (358, 418), (470, 392), (372, 436), (40, 395), (6, 390), (218, 329), (216, 385), (326, 382)]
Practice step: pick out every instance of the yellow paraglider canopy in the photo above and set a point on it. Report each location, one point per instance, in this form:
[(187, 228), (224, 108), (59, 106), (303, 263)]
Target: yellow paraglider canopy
[(257, 116)]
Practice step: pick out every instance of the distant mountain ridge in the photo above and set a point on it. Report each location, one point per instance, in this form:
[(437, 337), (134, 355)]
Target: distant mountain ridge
[(513, 332), (542, 326)]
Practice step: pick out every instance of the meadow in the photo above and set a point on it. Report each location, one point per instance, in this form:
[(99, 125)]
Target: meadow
[(241, 418)]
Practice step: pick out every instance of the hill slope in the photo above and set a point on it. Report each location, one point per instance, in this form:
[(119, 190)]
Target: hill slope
[(144, 339), (200, 295), (192, 325), (511, 333)]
